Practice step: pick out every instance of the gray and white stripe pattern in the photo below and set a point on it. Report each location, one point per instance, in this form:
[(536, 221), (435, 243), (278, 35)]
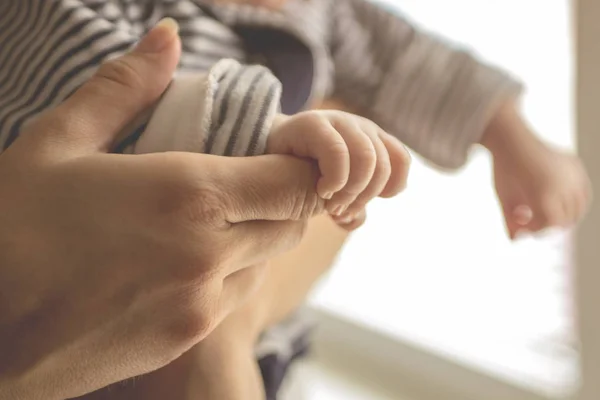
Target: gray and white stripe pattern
[(250, 95), (431, 96), (48, 48), (227, 111)]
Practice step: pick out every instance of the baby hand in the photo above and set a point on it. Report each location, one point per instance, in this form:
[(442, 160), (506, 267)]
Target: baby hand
[(538, 187), (357, 159), (545, 189)]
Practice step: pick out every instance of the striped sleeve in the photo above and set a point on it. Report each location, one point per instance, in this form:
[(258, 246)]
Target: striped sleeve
[(433, 97), (227, 111), (48, 48)]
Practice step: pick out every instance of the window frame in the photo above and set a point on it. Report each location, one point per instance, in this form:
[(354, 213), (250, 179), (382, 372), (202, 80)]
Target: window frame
[(400, 368), (587, 32)]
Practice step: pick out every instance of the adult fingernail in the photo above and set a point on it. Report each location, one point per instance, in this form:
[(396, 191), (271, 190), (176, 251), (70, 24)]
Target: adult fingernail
[(159, 37)]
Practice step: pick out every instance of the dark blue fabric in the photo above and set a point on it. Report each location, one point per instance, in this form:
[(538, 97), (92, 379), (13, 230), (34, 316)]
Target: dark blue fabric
[(274, 368), (290, 60)]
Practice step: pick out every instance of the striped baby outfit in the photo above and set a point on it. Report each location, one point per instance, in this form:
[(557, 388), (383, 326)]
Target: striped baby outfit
[(240, 66)]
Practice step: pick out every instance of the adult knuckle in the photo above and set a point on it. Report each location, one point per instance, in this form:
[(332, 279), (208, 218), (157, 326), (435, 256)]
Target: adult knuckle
[(52, 123), (189, 198), (206, 206), (172, 200), (197, 325), (191, 329), (198, 318), (57, 126), (198, 263), (122, 72)]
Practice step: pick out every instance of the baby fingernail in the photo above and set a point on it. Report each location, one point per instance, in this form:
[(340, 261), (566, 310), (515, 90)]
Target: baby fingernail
[(338, 210), (347, 219), (327, 195)]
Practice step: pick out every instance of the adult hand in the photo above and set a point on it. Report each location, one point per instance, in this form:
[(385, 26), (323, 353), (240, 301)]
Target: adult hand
[(112, 266)]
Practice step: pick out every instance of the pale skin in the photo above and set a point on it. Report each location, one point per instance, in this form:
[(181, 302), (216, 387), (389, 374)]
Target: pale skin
[(538, 187)]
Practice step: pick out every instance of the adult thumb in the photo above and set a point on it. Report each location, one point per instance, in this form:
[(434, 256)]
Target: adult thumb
[(122, 88)]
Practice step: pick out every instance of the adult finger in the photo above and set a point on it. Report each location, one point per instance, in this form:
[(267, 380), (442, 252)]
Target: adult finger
[(121, 89), (271, 188), (257, 207)]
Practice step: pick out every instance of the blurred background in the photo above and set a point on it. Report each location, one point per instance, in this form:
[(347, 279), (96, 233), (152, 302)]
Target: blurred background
[(451, 308)]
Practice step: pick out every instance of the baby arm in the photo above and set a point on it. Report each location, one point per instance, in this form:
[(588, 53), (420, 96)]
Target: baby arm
[(440, 101)]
